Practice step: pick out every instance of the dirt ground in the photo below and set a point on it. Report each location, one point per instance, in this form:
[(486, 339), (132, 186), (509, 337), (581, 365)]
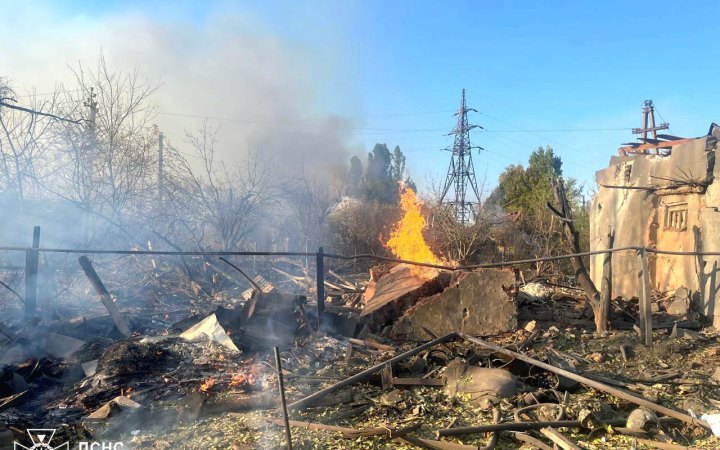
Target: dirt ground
[(684, 367)]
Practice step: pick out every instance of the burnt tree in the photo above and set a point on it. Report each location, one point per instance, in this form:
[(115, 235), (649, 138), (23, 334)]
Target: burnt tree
[(600, 304)]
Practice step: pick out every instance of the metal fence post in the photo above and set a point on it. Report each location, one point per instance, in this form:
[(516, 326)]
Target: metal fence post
[(31, 275), (320, 265), (644, 299)]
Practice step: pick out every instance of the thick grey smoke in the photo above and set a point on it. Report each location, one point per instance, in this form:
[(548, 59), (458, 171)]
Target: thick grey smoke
[(226, 65)]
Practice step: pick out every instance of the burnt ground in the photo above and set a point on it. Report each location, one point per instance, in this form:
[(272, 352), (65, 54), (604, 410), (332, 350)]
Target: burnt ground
[(157, 391), (686, 364)]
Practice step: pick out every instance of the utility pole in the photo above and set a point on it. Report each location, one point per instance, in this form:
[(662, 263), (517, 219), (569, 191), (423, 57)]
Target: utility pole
[(89, 155), (161, 141), (91, 103), (461, 172), (648, 125)]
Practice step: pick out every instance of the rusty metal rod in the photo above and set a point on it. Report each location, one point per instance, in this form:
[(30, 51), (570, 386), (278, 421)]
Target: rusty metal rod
[(283, 403), (588, 382), (247, 277), (511, 426), (303, 402)]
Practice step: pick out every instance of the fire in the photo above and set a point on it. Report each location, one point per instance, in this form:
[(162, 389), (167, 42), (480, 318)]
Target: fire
[(406, 238), (210, 382), (239, 379)]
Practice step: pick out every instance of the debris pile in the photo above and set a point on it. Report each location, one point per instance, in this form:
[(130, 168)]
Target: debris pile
[(424, 358)]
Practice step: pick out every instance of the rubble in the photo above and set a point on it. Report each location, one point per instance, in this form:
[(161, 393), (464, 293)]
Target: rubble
[(370, 378), (478, 384), (478, 303), (209, 329), (399, 289)]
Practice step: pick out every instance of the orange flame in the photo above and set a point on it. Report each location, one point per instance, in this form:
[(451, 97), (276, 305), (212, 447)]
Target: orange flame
[(210, 382), (406, 238)]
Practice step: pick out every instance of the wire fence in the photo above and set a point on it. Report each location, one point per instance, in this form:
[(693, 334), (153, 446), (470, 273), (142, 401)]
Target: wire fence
[(32, 258)]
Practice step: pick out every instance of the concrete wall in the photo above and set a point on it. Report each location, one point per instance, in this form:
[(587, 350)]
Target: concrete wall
[(652, 219)]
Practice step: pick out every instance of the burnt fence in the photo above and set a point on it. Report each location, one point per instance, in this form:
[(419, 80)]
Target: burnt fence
[(32, 261)]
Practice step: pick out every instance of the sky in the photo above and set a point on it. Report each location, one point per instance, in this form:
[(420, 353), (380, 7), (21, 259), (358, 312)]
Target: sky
[(319, 81)]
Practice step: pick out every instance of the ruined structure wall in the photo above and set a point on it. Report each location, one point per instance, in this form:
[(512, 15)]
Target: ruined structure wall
[(642, 217), (709, 237)]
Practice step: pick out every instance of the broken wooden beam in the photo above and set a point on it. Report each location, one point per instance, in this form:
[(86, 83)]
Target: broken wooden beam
[(559, 439), (417, 382), (383, 347), (526, 438), (104, 295), (312, 398), (434, 445), (32, 258), (594, 384)]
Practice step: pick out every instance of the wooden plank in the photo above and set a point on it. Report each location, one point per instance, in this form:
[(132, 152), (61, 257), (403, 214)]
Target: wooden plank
[(559, 439), (32, 258), (104, 295), (398, 282), (371, 344), (417, 382), (639, 148)]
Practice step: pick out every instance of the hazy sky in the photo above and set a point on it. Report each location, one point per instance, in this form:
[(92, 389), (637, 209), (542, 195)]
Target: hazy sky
[(327, 79)]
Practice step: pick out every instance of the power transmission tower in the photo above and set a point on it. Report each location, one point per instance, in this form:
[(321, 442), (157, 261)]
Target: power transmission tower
[(461, 172)]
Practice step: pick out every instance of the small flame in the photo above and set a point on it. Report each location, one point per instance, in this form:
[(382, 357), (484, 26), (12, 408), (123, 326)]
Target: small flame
[(239, 379), (406, 238), (210, 382)]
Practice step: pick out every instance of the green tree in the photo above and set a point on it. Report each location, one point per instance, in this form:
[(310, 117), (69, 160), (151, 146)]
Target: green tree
[(524, 193), (397, 169), (378, 183), (355, 176)]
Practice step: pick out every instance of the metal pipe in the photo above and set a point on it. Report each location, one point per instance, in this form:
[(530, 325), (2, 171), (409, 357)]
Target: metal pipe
[(510, 426), (283, 404), (247, 277), (320, 287)]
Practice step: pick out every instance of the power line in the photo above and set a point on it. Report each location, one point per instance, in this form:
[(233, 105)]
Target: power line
[(543, 137), (562, 130)]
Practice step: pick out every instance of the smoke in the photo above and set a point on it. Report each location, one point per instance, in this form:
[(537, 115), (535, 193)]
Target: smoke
[(225, 65)]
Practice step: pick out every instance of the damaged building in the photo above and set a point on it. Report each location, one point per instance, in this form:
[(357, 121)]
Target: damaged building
[(662, 194)]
